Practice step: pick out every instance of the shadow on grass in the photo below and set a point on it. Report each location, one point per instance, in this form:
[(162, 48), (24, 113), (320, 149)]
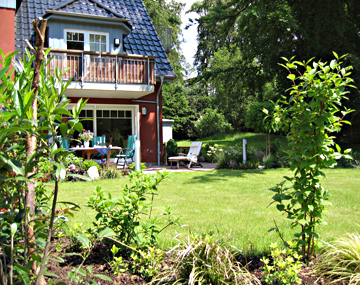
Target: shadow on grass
[(222, 174)]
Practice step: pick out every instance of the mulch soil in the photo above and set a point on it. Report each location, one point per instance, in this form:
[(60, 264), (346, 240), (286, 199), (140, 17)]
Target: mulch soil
[(101, 255)]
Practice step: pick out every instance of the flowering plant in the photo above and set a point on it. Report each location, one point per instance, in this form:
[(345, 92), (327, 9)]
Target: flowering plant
[(86, 135)]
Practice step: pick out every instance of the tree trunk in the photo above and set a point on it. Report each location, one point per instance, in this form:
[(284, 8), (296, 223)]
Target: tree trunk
[(267, 144), (31, 140)]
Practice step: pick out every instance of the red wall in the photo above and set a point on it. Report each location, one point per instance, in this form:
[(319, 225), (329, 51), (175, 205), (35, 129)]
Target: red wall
[(7, 24), (148, 131)]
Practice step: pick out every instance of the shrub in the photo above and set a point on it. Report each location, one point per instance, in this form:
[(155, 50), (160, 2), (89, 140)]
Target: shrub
[(72, 159), (232, 153), (235, 154), (210, 152), (272, 161), (211, 123), (340, 260), (110, 171), (88, 163), (310, 114), (285, 268), (125, 214), (202, 259), (172, 148)]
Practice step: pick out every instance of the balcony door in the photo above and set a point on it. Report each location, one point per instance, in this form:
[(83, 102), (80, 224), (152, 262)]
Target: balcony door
[(115, 122)]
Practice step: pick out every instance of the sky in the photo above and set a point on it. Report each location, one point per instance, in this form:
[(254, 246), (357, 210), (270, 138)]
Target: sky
[(190, 44)]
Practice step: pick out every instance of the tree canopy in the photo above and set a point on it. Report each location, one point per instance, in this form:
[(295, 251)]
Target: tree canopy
[(263, 31)]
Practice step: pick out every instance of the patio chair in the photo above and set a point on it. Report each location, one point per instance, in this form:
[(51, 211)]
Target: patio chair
[(127, 152), (64, 143), (191, 158), (100, 140)]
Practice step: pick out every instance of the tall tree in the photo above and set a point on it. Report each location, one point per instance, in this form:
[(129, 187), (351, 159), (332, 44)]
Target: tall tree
[(168, 14), (264, 31)]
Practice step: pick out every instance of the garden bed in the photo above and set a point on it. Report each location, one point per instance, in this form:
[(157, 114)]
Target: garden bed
[(101, 256)]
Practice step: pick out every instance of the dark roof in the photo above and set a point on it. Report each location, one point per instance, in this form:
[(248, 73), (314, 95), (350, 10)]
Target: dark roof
[(142, 40), (88, 7)]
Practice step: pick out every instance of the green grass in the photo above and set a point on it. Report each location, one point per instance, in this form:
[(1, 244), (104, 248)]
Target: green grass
[(233, 202), (225, 140)]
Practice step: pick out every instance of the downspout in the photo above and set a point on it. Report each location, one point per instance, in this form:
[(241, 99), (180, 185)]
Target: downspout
[(158, 117)]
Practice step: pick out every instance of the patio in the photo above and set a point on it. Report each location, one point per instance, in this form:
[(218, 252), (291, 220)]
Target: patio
[(207, 166)]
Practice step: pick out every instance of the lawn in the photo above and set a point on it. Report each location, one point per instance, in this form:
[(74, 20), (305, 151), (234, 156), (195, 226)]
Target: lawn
[(232, 202)]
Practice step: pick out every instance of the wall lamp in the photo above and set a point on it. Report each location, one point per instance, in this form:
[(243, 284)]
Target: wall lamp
[(116, 42), (143, 111)]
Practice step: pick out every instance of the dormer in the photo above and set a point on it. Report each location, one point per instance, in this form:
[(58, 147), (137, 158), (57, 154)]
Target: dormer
[(96, 28)]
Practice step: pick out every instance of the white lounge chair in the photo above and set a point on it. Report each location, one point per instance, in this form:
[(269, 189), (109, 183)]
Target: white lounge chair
[(191, 157)]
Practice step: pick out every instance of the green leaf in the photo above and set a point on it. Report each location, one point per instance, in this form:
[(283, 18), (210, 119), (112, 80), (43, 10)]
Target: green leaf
[(62, 111), (52, 275), (63, 129), (333, 63), (18, 104), (13, 228), (79, 127), (107, 233), (23, 272), (104, 277), (83, 240), (291, 76), (303, 163), (16, 166), (280, 207)]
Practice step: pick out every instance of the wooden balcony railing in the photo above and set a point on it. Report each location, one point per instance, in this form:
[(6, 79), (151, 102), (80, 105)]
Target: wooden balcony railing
[(103, 68)]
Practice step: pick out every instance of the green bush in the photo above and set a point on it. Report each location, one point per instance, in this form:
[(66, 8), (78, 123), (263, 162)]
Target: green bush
[(129, 215), (110, 171), (72, 159), (235, 153), (285, 267), (172, 148), (210, 152), (88, 163), (211, 123), (272, 161)]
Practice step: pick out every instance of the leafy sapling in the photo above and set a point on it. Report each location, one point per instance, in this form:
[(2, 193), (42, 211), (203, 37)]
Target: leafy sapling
[(309, 115)]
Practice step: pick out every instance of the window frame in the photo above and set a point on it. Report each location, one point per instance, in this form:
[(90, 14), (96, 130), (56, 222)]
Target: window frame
[(135, 119), (87, 38)]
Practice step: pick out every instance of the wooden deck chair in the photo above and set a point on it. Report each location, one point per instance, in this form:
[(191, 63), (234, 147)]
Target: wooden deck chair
[(191, 158), (127, 152)]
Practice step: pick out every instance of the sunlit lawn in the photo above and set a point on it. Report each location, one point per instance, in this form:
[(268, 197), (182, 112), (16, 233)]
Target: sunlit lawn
[(233, 203)]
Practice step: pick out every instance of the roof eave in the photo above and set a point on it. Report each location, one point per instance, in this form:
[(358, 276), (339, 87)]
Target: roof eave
[(61, 13)]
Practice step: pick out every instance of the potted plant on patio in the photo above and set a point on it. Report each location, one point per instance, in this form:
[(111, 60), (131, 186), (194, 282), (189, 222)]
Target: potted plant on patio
[(86, 136)]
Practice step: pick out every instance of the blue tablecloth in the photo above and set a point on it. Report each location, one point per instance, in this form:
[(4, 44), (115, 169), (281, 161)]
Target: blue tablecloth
[(102, 150)]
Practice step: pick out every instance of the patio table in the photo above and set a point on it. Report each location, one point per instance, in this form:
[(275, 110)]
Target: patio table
[(97, 149)]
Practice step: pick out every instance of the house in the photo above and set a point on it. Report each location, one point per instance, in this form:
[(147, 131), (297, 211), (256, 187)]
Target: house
[(115, 58)]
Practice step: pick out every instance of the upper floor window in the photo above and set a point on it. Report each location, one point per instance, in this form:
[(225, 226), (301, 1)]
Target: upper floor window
[(75, 40), (87, 40)]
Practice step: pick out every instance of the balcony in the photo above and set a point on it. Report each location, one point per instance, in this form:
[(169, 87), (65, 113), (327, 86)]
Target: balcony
[(133, 75)]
